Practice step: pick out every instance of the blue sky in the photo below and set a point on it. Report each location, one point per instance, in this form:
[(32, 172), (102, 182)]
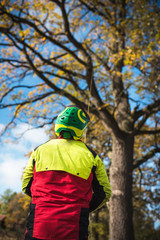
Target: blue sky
[(12, 154)]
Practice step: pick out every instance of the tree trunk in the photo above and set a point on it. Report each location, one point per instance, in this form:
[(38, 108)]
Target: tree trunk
[(121, 226)]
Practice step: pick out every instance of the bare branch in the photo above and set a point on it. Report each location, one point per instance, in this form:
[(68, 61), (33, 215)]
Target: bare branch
[(30, 100), (6, 45), (46, 123), (145, 113), (145, 158), (19, 86), (11, 61)]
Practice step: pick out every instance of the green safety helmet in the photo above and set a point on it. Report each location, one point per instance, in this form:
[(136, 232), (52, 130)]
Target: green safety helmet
[(72, 121)]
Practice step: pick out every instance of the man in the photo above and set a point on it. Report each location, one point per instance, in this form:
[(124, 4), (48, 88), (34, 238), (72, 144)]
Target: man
[(66, 181)]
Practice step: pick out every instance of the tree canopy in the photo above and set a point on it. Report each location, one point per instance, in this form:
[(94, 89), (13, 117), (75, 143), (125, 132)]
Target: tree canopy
[(79, 50)]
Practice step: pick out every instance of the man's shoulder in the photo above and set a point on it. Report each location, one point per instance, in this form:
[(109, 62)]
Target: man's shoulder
[(45, 143)]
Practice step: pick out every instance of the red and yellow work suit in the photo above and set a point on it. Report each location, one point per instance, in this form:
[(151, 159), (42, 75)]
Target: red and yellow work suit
[(66, 181)]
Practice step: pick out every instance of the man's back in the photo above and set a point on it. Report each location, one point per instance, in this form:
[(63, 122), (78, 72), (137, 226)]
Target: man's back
[(61, 188), (62, 173)]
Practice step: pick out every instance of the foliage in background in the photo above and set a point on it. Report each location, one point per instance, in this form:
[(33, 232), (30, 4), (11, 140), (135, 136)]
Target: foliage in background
[(15, 206)]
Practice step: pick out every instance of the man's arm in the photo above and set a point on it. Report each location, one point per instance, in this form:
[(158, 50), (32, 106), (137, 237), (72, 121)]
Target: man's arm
[(101, 186), (28, 175)]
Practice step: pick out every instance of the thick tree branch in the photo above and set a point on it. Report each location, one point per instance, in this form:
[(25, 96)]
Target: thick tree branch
[(11, 61), (6, 45), (145, 158), (148, 132), (145, 113), (148, 110)]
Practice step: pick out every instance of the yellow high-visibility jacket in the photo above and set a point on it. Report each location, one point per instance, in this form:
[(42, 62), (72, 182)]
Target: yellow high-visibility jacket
[(64, 177)]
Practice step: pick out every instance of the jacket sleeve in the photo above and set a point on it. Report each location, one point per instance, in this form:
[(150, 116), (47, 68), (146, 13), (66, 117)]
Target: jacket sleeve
[(28, 175), (100, 184)]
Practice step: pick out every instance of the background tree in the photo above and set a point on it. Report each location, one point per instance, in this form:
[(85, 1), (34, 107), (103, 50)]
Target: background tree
[(16, 207), (4, 201), (99, 224), (17, 213), (100, 55)]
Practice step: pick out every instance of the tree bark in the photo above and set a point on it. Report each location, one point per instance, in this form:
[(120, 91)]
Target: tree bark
[(121, 226)]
